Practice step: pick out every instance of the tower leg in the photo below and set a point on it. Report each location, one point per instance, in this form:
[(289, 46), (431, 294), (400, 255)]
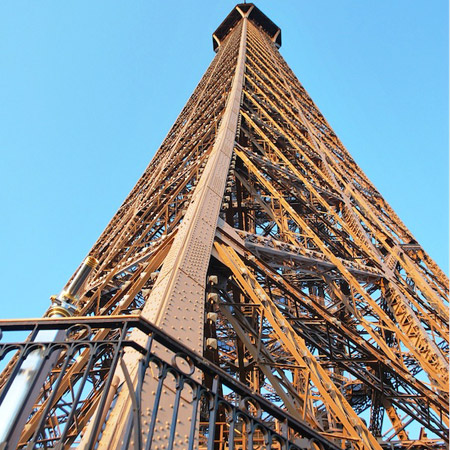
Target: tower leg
[(182, 281)]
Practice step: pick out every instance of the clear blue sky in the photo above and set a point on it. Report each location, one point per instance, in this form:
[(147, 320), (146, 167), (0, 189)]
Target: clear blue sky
[(88, 90)]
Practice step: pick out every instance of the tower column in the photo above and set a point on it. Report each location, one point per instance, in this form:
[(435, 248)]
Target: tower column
[(176, 303)]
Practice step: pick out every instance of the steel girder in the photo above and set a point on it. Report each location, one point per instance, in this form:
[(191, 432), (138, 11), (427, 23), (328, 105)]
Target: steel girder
[(255, 244)]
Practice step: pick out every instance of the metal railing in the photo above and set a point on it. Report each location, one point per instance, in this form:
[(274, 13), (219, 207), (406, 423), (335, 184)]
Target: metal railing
[(79, 391)]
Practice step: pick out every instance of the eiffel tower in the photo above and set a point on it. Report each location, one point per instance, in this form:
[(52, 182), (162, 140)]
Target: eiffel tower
[(253, 291)]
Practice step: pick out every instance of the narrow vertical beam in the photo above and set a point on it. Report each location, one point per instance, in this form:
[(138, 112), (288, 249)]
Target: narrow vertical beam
[(183, 275)]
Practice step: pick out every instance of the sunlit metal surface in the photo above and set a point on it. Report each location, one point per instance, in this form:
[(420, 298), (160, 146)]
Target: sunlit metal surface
[(304, 312)]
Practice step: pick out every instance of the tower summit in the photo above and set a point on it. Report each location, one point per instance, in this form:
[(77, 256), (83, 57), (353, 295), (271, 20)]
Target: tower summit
[(255, 15), (254, 290)]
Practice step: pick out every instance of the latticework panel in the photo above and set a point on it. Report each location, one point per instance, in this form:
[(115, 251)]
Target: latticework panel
[(319, 241), (318, 301)]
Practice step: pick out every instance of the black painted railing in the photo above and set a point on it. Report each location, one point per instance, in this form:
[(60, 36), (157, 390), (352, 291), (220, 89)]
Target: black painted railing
[(71, 399)]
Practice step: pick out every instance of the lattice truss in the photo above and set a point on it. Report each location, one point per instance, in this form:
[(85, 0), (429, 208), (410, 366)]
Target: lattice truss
[(318, 297)]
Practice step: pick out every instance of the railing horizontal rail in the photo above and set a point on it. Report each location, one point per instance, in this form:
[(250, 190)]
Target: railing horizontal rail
[(102, 351)]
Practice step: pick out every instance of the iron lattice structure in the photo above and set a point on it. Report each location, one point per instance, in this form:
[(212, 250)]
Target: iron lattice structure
[(254, 290)]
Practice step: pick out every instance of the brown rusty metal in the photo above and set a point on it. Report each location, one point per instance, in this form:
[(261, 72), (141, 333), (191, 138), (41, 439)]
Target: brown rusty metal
[(256, 245)]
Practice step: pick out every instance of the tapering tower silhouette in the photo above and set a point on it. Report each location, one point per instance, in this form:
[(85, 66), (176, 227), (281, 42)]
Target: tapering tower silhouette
[(254, 291)]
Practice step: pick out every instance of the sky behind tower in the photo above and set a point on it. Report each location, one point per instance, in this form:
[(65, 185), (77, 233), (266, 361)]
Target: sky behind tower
[(89, 90)]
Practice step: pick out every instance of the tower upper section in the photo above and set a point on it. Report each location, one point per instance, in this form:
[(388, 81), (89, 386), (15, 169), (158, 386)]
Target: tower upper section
[(255, 15)]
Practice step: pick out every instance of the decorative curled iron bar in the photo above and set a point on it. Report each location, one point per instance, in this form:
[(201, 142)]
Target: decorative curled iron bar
[(225, 414)]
